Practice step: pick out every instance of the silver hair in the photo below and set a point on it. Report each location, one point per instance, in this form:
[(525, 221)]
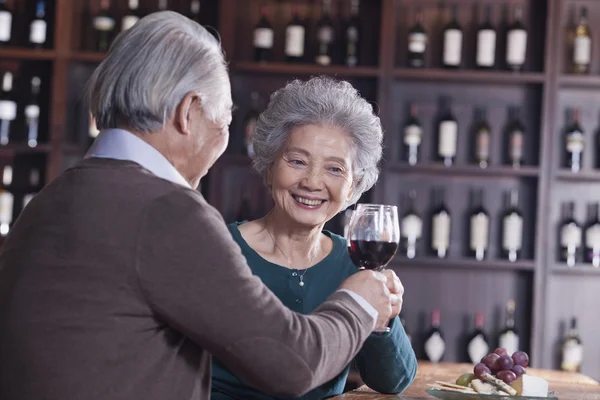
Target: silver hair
[(151, 67), (321, 100)]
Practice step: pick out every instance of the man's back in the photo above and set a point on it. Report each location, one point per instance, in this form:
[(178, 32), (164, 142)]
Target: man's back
[(74, 322)]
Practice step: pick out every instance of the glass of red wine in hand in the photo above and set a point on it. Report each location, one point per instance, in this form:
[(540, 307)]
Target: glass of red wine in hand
[(373, 237)]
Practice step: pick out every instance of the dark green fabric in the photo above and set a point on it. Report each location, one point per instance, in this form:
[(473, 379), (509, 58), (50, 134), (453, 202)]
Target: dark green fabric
[(386, 362)]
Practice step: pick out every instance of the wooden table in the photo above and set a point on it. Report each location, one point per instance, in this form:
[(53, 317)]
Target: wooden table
[(567, 386)]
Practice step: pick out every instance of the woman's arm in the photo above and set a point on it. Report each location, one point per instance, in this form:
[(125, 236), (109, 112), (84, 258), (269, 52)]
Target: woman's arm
[(387, 362)]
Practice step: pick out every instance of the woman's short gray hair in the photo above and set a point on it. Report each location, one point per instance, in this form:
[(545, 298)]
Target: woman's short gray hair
[(151, 67), (321, 100)]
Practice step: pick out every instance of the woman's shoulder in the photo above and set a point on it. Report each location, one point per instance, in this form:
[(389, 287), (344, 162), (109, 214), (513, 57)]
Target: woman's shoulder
[(339, 254)]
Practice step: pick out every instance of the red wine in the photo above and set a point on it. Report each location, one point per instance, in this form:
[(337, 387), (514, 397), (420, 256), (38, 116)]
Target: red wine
[(371, 254)]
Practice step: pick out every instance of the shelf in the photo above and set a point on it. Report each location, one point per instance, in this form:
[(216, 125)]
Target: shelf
[(433, 74), (23, 148), (578, 269), (585, 81), (525, 265), (465, 170), (88, 56), (27, 54), (582, 176), (305, 69)]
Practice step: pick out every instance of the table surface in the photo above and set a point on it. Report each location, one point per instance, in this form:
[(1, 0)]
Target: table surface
[(566, 385)]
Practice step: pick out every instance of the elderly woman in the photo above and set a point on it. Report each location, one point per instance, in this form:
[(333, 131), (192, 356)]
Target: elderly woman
[(317, 146)]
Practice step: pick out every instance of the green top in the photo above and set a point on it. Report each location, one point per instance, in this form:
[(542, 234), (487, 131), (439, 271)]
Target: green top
[(386, 362)]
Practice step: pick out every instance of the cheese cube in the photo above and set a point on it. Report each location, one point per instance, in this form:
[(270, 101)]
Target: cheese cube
[(528, 385)]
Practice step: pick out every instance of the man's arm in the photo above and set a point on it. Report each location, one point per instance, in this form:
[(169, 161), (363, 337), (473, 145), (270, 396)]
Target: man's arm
[(196, 279)]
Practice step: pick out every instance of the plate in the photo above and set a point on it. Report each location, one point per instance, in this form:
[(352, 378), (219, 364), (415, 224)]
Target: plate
[(445, 395)]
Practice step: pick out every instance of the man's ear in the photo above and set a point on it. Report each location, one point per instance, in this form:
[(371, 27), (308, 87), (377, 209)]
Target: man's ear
[(188, 107)]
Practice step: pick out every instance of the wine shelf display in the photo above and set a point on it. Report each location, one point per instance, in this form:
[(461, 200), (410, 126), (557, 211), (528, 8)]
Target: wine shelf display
[(394, 52)]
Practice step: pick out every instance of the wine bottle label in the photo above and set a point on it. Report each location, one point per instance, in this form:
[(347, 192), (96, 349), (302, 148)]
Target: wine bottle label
[(440, 238), (483, 145), (413, 135), (435, 347), (486, 47), (479, 231), (572, 356), (6, 207), (512, 235), (294, 41), (32, 111), (263, 38), (570, 236), (325, 34), (412, 227), (417, 42), (453, 47), (516, 145), (575, 142), (104, 23), (582, 53), (447, 142), (592, 237), (516, 47), (5, 26), (7, 175), (477, 348), (509, 341), (352, 34), (129, 21), (8, 110), (37, 31)]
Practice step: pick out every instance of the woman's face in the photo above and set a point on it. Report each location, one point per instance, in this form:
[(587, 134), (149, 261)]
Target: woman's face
[(311, 179)]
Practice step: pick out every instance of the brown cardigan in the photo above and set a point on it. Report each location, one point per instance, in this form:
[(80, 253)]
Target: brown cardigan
[(116, 284)]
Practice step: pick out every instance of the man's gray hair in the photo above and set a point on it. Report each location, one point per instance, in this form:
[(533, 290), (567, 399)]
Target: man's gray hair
[(151, 67), (321, 101)]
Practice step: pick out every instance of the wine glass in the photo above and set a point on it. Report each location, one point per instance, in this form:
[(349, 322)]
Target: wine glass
[(373, 237)]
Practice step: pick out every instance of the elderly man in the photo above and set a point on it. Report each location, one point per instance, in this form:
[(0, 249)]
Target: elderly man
[(118, 280)]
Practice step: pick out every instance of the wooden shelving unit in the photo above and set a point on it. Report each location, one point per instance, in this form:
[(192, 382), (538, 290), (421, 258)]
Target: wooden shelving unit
[(305, 69), (467, 264), (464, 170), (487, 77)]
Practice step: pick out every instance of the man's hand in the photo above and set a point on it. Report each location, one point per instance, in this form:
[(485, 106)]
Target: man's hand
[(396, 289), (375, 289)]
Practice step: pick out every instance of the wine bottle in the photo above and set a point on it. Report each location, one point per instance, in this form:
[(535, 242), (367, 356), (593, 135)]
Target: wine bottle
[(516, 41), (163, 5), (440, 226), (263, 36), (570, 236), (6, 211), (413, 134), (34, 182), (38, 26), (512, 228), (482, 139), (478, 345), (592, 236), (582, 45), (325, 36), (417, 43), (353, 35), (294, 37), (195, 10), (448, 135), (509, 337), (6, 19), (435, 346), (104, 24), (32, 113), (516, 136), (574, 144), (250, 122), (132, 16), (572, 349), (486, 42), (411, 227), (8, 108), (453, 40), (479, 227)]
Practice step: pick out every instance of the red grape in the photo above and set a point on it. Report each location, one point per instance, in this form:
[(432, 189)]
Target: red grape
[(521, 358), (501, 351), (481, 369), (504, 363), (490, 360), (507, 376), (518, 370)]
